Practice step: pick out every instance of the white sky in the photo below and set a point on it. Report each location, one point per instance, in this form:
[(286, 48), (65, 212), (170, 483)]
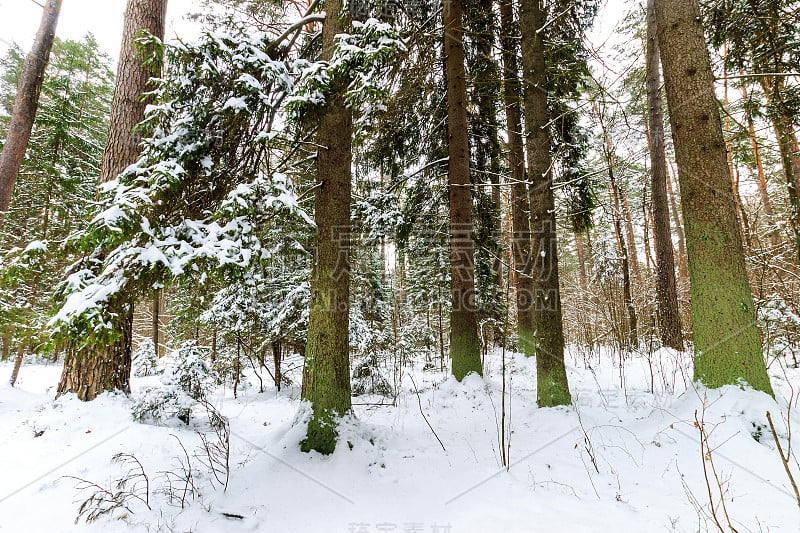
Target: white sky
[(19, 20)]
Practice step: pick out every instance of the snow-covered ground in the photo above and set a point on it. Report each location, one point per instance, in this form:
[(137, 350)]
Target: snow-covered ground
[(622, 459)]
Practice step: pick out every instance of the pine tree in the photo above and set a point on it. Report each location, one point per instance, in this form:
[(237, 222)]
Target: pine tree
[(91, 370), (727, 343), (553, 388), (326, 374), (464, 341), (520, 205), (666, 291)]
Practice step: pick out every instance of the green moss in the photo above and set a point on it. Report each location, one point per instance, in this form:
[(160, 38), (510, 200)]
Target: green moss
[(465, 354), (322, 434), (552, 391)]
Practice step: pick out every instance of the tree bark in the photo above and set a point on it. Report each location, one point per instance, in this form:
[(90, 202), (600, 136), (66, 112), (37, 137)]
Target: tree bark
[(90, 370), (133, 81), (155, 330), (104, 368), (17, 364), (683, 267), (520, 206), (28, 90), (326, 373), (727, 343), (669, 317), (552, 388), (464, 341)]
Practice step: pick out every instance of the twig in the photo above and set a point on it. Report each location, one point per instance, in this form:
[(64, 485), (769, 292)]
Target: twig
[(784, 459), (419, 400)]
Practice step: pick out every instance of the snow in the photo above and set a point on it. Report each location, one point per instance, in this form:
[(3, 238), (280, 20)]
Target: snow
[(397, 477)]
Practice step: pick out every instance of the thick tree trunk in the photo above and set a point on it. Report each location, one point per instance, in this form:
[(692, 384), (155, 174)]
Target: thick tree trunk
[(28, 90), (552, 388), (464, 341), (727, 343), (90, 370), (133, 80), (520, 207), (669, 318), (326, 374), (106, 368)]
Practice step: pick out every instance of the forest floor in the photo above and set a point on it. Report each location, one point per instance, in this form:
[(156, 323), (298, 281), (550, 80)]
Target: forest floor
[(624, 458)]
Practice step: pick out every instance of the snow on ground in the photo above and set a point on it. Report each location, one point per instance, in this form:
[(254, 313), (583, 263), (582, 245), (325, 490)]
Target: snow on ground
[(623, 459)]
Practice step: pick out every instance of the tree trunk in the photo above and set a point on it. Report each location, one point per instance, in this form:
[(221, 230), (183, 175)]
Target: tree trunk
[(28, 90), (520, 206), (669, 318), (326, 374), (277, 357), (727, 343), (17, 364), (633, 255), (6, 347), (104, 368), (464, 341), (133, 80), (552, 388), (155, 330), (90, 370), (683, 267)]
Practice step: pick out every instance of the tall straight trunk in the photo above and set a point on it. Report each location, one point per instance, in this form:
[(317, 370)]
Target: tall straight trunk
[(727, 343), (683, 267), (28, 90), (91, 370), (552, 388), (520, 206), (669, 318), (632, 253), (155, 330), (133, 80), (326, 373), (464, 341)]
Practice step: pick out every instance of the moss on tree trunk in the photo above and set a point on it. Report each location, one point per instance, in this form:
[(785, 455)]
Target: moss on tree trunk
[(465, 346), (326, 373), (727, 344), (548, 342)]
